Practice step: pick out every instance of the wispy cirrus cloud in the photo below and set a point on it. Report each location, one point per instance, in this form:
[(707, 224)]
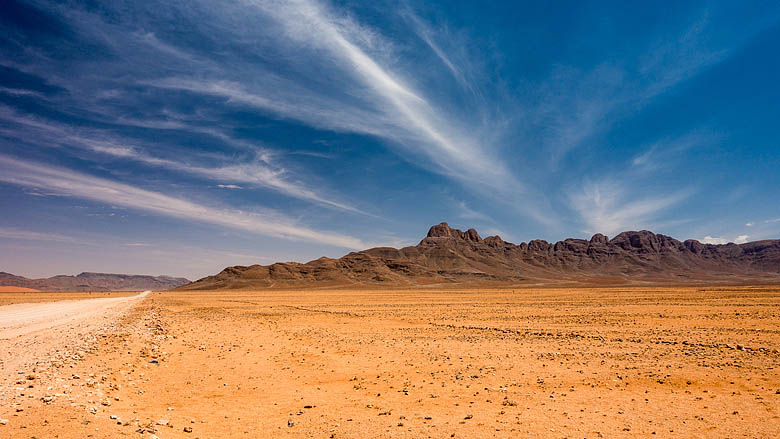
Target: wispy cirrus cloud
[(74, 184), (665, 153), (256, 173), (467, 213), (607, 207), (577, 104), (457, 63), (15, 233), (629, 198), (370, 96), (260, 171)]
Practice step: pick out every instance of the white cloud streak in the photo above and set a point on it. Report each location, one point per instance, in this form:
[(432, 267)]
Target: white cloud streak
[(258, 172), (255, 173), (578, 104), (426, 33), (466, 212), (14, 233), (381, 103), (606, 208), (665, 153), (69, 183)]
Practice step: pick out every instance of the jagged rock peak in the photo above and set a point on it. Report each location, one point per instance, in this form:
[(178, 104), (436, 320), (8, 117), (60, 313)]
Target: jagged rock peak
[(440, 230), (494, 241), (645, 240), (694, 246), (472, 235), (598, 238), (443, 230)]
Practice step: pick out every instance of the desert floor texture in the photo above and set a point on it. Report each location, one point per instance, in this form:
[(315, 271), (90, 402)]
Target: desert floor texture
[(524, 363)]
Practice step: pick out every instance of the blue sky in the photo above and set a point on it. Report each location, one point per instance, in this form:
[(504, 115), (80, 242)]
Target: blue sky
[(182, 137)]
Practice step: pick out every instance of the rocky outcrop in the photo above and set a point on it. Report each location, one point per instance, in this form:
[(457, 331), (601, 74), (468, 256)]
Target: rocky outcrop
[(95, 282), (448, 256)]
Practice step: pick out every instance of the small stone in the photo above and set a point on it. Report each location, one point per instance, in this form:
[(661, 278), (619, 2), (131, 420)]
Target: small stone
[(162, 422), (290, 423), (188, 429), (154, 361)]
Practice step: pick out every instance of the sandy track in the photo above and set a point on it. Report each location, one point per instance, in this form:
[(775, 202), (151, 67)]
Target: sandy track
[(36, 336), (25, 318)]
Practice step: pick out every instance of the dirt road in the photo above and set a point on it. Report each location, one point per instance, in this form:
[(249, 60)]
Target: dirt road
[(25, 318), (35, 335), (547, 363)]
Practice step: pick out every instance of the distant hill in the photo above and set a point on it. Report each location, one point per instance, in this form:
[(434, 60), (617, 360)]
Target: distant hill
[(15, 289), (94, 282), (450, 257)]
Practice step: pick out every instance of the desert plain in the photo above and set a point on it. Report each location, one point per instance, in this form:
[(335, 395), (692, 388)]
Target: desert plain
[(481, 363)]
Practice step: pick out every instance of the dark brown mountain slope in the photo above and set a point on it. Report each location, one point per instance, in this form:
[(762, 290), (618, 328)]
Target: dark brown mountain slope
[(451, 257), (95, 282)]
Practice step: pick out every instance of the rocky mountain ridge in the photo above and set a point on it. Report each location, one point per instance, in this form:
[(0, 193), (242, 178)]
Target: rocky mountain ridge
[(451, 257), (95, 282)]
